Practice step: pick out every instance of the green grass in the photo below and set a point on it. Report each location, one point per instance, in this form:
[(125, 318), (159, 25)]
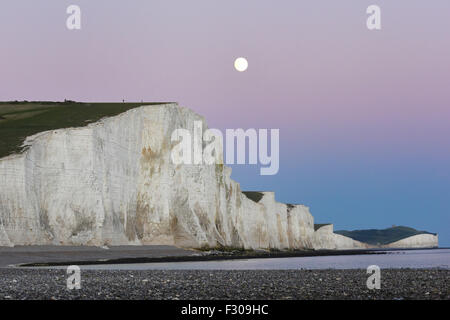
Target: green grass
[(381, 237), (19, 120), (317, 226), (253, 195)]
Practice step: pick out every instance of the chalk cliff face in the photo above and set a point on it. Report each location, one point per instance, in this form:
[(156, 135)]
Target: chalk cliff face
[(4, 240), (113, 182), (417, 241), (325, 238)]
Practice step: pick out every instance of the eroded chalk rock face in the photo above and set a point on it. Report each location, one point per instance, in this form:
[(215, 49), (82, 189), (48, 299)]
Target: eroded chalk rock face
[(417, 241), (4, 240), (325, 238), (113, 182)]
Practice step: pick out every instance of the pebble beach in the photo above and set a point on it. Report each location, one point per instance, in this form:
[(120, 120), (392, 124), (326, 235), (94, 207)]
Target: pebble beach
[(396, 284)]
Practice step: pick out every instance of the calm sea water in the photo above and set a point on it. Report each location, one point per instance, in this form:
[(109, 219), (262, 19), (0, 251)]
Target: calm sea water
[(431, 258)]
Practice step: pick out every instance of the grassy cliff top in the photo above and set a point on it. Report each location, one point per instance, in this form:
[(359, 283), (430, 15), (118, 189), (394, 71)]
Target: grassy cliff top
[(317, 226), (382, 237), (253, 195), (20, 119)]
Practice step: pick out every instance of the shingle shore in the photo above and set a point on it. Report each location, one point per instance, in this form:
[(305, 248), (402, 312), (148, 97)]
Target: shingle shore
[(220, 284)]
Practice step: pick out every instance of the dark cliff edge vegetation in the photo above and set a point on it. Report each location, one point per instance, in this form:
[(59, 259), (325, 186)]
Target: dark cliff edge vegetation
[(382, 237), (317, 226), (253, 195), (20, 119)]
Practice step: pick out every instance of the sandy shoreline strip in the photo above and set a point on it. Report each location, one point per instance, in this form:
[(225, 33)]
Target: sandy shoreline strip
[(41, 256)]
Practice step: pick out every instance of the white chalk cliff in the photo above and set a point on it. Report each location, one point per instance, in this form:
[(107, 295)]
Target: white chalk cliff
[(325, 238), (113, 183), (424, 240)]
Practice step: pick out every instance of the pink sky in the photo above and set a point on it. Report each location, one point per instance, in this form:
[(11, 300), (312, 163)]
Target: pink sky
[(343, 96)]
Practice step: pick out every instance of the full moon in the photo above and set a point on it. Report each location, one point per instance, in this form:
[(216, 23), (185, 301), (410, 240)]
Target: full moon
[(241, 64)]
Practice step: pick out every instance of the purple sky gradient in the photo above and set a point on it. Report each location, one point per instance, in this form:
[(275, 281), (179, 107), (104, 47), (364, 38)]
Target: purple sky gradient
[(363, 115)]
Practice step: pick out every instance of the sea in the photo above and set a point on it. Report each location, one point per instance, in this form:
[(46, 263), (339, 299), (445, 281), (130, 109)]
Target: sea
[(416, 259)]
